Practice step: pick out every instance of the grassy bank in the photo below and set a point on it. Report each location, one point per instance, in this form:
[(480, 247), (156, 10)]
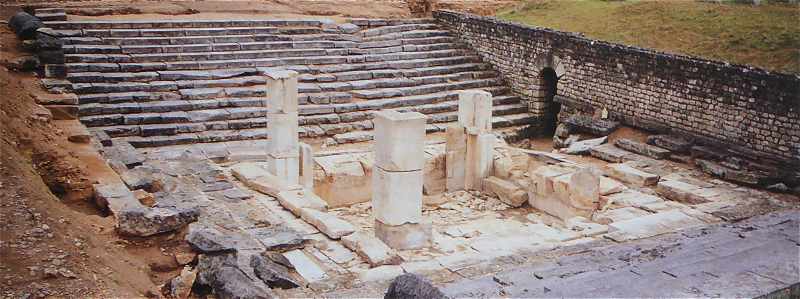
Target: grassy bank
[(766, 35)]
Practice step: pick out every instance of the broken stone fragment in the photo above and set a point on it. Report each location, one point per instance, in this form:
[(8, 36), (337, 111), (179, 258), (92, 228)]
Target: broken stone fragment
[(143, 222), (583, 147), (631, 175), (327, 223), (145, 198), (580, 123), (683, 192), (125, 153), (279, 238), (413, 286), (305, 266), (672, 143), (205, 239), (371, 249), (508, 192), (295, 201), (271, 273), (181, 286), (642, 148)]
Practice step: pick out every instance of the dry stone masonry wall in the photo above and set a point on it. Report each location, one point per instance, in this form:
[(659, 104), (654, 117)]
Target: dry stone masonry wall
[(745, 109)]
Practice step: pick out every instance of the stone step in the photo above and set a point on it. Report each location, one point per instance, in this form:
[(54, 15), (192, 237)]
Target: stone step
[(423, 89), (363, 22), (407, 34), (149, 24), (177, 32), (145, 120), (204, 40), (382, 30), (317, 63), (256, 54), (312, 131), (221, 47)]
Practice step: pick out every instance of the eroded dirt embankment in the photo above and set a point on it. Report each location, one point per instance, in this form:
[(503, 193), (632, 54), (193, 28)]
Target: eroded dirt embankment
[(53, 241)]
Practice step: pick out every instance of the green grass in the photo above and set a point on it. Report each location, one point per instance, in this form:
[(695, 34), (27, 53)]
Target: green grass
[(767, 36)]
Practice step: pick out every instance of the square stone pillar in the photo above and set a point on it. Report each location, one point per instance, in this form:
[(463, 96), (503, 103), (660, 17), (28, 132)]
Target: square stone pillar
[(399, 145), (283, 156), (470, 144)]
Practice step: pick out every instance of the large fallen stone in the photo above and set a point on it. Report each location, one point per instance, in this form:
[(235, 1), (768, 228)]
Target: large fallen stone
[(371, 249), (413, 286), (651, 225), (124, 153), (642, 148), (610, 153), (279, 238), (683, 192), (508, 192), (631, 175), (305, 266), (580, 123), (343, 179), (738, 176), (25, 25), (584, 147), (204, 238), (143, 222), (296, 200), (672, 143), (259, 179), (271, 273), (327, 223), (231, 282), (114, 197)]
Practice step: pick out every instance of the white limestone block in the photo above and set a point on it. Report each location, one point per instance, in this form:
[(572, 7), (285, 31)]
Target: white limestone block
[(480, 154), (281, 91), (632, 198), (433, 174), (475, 111), (617, 215), (610, 186), (506, 191), (456, 157), (397, 196), (399, 140), (584, 189), (286, 168), (296, 200), (683, 192), (405, 236), (327, 223), (381, 273), (305, 265), (306, 166), (371, 249), (631, 175), (282, 130), (542, 178), (651, 225)]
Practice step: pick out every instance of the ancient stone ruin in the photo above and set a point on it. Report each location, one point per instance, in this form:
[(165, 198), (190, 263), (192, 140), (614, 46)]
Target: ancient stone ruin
[(312, 157)]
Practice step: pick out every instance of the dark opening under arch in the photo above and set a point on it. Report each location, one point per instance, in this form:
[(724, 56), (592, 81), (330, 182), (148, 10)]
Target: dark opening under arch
[(548, 80)]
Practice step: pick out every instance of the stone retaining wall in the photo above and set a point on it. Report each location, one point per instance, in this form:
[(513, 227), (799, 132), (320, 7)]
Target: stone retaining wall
[(746, 109)]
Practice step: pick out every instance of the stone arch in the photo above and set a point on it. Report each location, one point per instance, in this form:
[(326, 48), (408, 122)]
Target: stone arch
[(549, 69)]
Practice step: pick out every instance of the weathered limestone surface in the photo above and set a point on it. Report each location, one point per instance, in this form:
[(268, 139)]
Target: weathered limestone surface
[(617, 215), (297, 200), (564, 192), (644, 149), (456, 157), (343, 179), (306, 166), (480, 155), (397, 196), (669, 142), (629, 174), (583, 147), (434, 174), (327, 223), (305, 266), (651, 225), (508, 192), (405, 236), (610, 153), (399, 140), (371, 249), (683, 192)]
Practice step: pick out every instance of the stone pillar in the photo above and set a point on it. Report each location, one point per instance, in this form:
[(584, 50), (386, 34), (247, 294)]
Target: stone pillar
[(306, 166), (397, 179), (283, 156), (470, 143)]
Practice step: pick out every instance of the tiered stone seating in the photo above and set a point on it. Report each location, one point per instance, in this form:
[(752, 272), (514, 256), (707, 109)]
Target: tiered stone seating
[(157, 83)]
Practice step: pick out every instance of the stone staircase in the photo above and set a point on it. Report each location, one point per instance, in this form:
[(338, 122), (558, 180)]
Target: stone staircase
[(159, 83)]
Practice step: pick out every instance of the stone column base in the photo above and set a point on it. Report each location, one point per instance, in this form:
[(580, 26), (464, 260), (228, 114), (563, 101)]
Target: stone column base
[(406, 236)]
